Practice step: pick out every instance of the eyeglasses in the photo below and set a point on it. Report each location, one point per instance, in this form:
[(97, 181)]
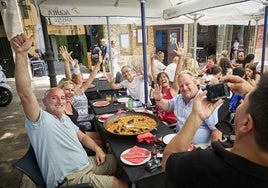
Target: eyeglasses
[(124, 72)]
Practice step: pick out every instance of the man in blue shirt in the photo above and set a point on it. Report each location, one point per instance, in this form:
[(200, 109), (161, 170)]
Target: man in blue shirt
[(57, 142), (182, 107), (244, 165)]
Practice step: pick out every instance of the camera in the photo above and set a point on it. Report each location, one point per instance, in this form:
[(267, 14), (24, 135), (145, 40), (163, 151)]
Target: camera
[(217, 91)]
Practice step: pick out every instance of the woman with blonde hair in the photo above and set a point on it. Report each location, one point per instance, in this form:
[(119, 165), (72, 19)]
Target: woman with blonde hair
[(68, 86), (80, 100), (189, 65)]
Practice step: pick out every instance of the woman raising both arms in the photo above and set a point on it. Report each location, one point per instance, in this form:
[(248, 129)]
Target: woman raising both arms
[(168, 90)]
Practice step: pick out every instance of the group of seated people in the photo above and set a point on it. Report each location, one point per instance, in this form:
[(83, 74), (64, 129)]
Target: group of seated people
[(60, 132)]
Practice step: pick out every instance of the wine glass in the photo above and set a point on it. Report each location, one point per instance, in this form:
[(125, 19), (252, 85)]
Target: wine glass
[(115, 101)]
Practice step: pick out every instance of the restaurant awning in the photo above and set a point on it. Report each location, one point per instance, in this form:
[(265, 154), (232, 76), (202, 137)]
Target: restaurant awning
[(108, 9)]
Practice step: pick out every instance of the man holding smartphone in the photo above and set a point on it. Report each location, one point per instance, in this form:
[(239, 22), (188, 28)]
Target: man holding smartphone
[(182, 107), (245, 164)]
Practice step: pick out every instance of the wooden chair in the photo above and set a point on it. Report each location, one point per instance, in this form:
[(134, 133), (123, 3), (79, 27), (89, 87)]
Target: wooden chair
[(28, 165)]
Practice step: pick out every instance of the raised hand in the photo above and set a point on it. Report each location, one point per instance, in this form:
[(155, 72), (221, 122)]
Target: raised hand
[(202, 107), (65, 54), (157, 92), (138, 70), (237, 84), (20, 43), (109, 77), (153, 54), (180, 50)]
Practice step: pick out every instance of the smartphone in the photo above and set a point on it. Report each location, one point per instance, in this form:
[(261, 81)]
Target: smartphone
[(217, 91)]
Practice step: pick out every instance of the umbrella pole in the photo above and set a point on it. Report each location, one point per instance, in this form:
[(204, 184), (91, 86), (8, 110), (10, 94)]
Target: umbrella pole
[(195, 37), (264, 39), (142, 2), (109, 46)]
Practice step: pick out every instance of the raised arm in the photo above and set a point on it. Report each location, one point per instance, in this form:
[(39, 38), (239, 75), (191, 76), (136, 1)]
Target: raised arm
[(237, 84), (67, 58), (175, 84), (91, 77), (21, 45), (180, 52), (138, 71), (153, 68), (113, 85)]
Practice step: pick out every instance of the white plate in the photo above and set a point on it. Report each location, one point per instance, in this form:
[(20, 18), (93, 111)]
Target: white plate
[(133, 164), (100, 103), (123, 99), (168, 137), (105, 116)]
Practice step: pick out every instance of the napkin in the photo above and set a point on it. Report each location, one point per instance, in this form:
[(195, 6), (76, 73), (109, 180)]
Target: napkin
[(120, 111), (147, 137), (136, 155), (104, 117)]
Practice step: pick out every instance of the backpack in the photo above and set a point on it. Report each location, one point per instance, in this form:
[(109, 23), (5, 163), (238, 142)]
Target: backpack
[(95, 54)]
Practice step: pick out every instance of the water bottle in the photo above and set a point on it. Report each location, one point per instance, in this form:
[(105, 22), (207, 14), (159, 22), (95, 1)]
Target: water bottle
[(130, 103)]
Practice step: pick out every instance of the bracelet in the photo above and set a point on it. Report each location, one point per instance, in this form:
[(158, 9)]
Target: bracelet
[(76, 71), (72, 63)]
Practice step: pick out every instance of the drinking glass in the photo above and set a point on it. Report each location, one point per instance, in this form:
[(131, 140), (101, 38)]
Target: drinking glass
[(108, 98)]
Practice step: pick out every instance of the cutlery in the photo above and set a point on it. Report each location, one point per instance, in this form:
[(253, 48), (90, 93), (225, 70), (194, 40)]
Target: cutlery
[(130, 126), (137, 156)]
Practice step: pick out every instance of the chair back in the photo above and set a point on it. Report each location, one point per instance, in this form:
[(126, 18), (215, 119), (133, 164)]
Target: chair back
[(28, 165), (225, 124)]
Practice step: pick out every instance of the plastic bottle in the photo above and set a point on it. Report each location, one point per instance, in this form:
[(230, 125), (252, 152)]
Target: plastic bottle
[(130, 103)]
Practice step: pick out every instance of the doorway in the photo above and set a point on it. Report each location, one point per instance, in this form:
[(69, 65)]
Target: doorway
[(166, 38)]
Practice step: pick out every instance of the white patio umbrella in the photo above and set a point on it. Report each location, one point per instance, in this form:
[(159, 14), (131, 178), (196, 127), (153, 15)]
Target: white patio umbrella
[(217, 12)]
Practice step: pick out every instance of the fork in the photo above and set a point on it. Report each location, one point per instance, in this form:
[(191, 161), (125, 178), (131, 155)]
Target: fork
[(130, 126)]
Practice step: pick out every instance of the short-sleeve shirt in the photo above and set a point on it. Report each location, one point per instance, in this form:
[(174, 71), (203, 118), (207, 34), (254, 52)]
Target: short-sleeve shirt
[(214, 167), (57, 148), (183, 110), (136, 88), (170, 70), (159, 66)]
